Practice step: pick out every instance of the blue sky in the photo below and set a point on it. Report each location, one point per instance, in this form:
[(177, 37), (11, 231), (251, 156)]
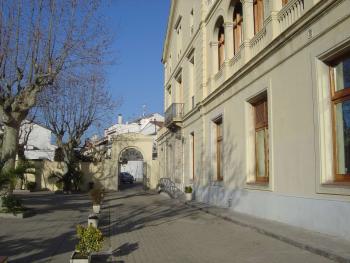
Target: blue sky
[(139, 27)]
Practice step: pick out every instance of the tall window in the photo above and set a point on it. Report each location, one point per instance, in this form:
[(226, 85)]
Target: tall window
[(261, 139), (191, 80), (258, 6), (178, 30), (219, 149), (191, 22), (221, 45), (237, 27), (340, 98), (168, 96), (192, 153), (179, 91)]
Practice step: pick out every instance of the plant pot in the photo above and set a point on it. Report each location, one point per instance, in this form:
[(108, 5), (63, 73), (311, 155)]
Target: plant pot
[(77, 258), (188, 196), (93, 220), (96, 208)]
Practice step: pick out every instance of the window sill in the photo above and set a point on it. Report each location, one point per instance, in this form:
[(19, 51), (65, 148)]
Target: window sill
[(256, 185), (336, 184), (334, 188), (217, 183)]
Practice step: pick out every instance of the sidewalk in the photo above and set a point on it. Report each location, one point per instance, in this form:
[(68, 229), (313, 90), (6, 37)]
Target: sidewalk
[(148, 227), (324, 245)]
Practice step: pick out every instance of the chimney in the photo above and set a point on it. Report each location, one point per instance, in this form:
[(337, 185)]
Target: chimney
[(120, 119)]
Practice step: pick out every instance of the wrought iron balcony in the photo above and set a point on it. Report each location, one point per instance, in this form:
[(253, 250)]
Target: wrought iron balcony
[(174, 114)]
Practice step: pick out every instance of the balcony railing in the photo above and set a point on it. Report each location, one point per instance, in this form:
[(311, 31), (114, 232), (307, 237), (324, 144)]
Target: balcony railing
[(174, 114), (290, 13)]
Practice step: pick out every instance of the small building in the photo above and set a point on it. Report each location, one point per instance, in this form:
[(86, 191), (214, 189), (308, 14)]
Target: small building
[(141, 129), (36, 141)]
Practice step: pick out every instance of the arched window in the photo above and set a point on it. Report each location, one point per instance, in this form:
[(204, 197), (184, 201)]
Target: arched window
[(221, 45), (258, 6), (237, 27)]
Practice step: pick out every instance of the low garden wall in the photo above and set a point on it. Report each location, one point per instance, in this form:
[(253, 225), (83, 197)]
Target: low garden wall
[(100, 173)]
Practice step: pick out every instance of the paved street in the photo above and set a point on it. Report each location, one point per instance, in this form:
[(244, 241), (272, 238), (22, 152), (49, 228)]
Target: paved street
[(140, 227), (49, 235), (154, 228)]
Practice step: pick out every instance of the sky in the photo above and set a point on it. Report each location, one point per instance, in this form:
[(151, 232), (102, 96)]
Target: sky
[(139, 28)]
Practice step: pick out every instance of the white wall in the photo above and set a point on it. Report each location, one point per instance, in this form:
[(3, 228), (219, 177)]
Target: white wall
[(286, 66), (39, 137), (135, 168)]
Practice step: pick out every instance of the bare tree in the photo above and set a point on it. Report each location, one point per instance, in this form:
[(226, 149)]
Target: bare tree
[(40, 39), (70, 108)]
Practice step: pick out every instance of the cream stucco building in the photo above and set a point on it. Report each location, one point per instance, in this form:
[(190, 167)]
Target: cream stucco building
[(257, 108)]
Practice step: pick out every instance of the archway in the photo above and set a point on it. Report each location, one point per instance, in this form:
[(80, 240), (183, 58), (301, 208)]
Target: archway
[(131, 161)]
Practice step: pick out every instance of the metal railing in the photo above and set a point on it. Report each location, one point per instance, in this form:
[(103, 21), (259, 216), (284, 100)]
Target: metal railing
[(169, 187), (174, 113)]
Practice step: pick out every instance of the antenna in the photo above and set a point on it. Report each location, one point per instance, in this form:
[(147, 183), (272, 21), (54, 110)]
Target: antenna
[(144, 109)]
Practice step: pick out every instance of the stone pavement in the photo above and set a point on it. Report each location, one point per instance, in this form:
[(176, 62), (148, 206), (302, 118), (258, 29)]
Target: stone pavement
[(48, 235), (139, 227), (147, 227), (321, 244)]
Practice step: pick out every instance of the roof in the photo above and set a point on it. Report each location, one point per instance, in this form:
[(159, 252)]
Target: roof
[(145, 117), (158, 123)]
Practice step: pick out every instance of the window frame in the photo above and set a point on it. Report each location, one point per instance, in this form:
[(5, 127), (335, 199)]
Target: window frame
[(258, 13), (259, 127), (284, 2), (221, 46), (237, 28), (337, 97), (219, 147), (193, 153)]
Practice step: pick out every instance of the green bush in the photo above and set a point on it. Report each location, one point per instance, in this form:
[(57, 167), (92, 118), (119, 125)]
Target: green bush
[(59, 185), (11, 204), (8, 179), (188, 189), (31, 186), (90, 240)]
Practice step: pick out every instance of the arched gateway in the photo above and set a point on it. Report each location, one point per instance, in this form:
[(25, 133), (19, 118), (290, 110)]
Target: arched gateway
[(132, 152), (131, 161)]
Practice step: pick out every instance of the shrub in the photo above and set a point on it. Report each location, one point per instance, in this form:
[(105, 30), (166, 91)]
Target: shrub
[(188, 189), (31, 186), (96, 196), (91, 185), (90, 240), (59, 185), (11, 204)]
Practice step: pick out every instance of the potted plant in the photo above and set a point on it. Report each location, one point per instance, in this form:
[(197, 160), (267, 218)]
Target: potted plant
[(188, 193), (90, 240), (93, 220), (96, 197), (11, 204)]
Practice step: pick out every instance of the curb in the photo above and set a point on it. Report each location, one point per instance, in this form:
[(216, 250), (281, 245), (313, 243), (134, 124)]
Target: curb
[(313, 249)]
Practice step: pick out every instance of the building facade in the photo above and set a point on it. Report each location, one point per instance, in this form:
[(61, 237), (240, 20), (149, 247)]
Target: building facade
[(139, 137), (257, 108), (36, 141), (148, 126)]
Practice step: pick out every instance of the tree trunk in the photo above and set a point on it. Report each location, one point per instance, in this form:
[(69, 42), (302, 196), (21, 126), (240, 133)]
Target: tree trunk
[(9, 145)]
